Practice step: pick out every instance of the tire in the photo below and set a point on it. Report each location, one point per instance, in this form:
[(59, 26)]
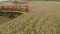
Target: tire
[(12, 16), (0, 14)]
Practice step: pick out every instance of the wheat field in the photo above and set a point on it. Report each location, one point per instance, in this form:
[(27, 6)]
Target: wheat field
[(43, 18)]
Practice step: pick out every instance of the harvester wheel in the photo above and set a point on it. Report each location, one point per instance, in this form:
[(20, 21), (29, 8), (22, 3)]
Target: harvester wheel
[(0, 14), (12, 16)]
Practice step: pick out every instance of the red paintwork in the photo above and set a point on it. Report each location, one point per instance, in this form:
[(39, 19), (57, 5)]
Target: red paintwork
[(27, 9), (12, 7)]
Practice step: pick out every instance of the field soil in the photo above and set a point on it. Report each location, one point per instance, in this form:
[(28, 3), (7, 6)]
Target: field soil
[(43, 18)]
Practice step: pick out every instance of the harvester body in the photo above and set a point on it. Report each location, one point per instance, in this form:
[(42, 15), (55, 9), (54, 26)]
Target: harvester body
[(13, 8)]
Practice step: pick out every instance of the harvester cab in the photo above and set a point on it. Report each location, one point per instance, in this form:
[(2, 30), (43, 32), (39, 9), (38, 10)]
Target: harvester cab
[(13, 8)]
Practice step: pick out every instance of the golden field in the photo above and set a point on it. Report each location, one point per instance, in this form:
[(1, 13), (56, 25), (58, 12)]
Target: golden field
[(43, 18)]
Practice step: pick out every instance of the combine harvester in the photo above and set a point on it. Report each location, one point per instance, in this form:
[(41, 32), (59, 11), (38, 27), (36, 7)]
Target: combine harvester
[(13, 8)]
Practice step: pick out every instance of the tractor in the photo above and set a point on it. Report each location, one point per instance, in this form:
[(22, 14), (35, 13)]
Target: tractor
[(13, 8)]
